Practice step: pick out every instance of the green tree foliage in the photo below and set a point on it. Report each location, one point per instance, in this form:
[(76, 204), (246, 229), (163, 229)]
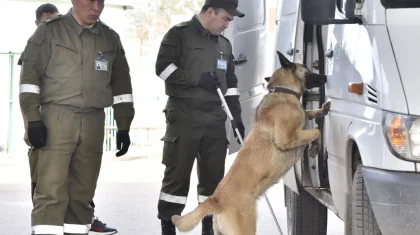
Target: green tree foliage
[(155, 17)]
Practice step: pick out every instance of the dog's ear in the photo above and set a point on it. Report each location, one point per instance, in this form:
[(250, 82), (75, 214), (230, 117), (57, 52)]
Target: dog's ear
[(285, 63), (267, 79)]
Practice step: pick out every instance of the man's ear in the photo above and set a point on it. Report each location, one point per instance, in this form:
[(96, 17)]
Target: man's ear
[(267, 79), (284, 62)]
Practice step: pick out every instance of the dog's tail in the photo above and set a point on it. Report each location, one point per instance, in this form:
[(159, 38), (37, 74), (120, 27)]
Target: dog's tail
[(187, 222)]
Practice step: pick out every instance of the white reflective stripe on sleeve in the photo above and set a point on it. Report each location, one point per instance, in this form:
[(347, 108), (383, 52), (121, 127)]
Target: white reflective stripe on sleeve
[(202, 198), (123, 99), (168, 71), (77, 228), (29, 88), (47, 229), (173, 199), (232, 92)]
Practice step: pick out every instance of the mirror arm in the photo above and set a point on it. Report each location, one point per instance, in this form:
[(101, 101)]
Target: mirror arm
[(353, 20)]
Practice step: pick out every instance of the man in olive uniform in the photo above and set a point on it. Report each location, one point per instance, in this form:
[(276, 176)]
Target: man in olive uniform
[(73, 66), (194, 58), (42, 13)]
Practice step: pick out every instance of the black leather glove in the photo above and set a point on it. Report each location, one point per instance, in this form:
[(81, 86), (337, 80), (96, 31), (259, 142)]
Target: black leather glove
[(123, 138), (241, 129), (208, 81), (37, 134)]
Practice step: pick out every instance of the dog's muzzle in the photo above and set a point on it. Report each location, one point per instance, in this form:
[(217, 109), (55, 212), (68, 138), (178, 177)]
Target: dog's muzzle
[(315, 80)]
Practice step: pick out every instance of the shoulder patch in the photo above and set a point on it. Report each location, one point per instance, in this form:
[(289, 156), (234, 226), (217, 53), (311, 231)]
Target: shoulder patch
[(59, 16), (182, 24)]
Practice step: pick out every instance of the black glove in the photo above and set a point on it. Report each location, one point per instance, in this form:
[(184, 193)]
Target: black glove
[(122, 138), (241, 129), (208, 81), (37, 134)]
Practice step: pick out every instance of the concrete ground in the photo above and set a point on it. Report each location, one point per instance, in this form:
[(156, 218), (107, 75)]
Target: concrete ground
[(126, 198)]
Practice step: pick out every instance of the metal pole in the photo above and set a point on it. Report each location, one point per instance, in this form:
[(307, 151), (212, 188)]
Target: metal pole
[(9, 132), (234, 125)]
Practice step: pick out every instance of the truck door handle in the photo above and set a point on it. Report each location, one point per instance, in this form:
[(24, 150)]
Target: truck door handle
[(240, 61), (329, 53)]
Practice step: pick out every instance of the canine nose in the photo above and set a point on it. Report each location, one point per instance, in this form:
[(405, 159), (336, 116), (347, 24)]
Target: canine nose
[(315, 80)]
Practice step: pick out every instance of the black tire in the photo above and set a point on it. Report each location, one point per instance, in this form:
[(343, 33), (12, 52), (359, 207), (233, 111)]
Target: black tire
[(348, 219), (362, 216), (305, 214)]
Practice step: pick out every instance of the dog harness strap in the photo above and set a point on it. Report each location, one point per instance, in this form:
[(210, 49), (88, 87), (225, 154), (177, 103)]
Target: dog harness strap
[(285, 90)]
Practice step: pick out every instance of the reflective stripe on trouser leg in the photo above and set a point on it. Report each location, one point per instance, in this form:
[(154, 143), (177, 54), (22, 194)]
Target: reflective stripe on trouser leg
[(51, 192), (84, 172), (210, 165), (179, 152)]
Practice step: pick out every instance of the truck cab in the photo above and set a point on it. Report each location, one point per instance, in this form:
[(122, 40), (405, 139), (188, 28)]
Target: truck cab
[(368, 170)]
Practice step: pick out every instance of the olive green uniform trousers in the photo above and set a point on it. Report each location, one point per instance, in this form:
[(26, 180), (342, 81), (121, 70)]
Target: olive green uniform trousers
[(68, 170), (33, 167), (195, 130)]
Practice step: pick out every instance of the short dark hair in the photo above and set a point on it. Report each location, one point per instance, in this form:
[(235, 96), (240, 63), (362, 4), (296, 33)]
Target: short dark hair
[(206, 7), (45, 8)]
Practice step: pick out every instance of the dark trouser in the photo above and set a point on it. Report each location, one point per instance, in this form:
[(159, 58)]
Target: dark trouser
[(33, 168), (193, 132), (68, 170)]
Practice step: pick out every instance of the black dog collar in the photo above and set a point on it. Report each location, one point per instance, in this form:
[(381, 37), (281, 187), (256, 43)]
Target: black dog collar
[(285, 90)]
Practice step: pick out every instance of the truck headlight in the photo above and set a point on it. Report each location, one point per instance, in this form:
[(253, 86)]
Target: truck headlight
[(403, 135)]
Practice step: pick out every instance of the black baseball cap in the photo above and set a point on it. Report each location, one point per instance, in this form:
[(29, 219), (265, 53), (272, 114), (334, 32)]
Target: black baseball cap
[(229, 6)]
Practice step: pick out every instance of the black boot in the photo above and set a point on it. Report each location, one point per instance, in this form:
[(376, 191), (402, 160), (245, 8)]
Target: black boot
[(168, 228), (207, 225)]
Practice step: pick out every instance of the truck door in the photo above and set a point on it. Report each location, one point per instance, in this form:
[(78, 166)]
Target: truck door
[(248, 36), (286, 28)]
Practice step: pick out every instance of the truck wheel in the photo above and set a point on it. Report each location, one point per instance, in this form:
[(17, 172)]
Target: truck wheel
[(305, 214), (363, 219)]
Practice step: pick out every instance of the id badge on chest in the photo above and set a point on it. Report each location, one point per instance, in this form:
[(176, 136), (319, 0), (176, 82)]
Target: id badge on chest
[(101, 63), (222, 64)]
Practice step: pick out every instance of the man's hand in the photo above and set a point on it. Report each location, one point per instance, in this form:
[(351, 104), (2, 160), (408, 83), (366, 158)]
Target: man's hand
[(26, 138), (241, 129), (123, 138), (208, 81), (37, 134)]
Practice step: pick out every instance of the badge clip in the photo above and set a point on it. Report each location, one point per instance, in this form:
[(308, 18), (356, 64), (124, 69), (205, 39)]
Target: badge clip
[(101, 55)]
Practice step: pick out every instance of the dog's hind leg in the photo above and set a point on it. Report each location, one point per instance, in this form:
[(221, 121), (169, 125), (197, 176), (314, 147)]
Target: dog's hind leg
[(229, 223), (240, 221), (248, 224), (217, 228), (286, 142)]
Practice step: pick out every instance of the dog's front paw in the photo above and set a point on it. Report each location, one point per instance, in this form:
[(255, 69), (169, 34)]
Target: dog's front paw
[(326, 107), (313, 150)]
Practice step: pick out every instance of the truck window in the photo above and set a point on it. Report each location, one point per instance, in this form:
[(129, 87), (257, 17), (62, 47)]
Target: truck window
[(346, 7), (400, 3), (254, 14), (340, 6)]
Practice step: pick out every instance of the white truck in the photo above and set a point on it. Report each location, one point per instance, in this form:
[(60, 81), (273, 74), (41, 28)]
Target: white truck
[(368, 171)]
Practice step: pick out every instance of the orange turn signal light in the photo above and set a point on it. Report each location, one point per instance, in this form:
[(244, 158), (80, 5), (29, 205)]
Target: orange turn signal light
[(356, 88), (397, 134)]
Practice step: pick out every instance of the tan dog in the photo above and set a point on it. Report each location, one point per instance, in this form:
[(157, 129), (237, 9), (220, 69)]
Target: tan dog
[(273, 146)]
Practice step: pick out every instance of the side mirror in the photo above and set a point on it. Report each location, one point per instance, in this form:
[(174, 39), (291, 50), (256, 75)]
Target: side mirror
[(322, 12)]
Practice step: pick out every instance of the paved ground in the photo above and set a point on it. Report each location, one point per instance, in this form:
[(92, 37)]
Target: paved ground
[(126, 198)]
